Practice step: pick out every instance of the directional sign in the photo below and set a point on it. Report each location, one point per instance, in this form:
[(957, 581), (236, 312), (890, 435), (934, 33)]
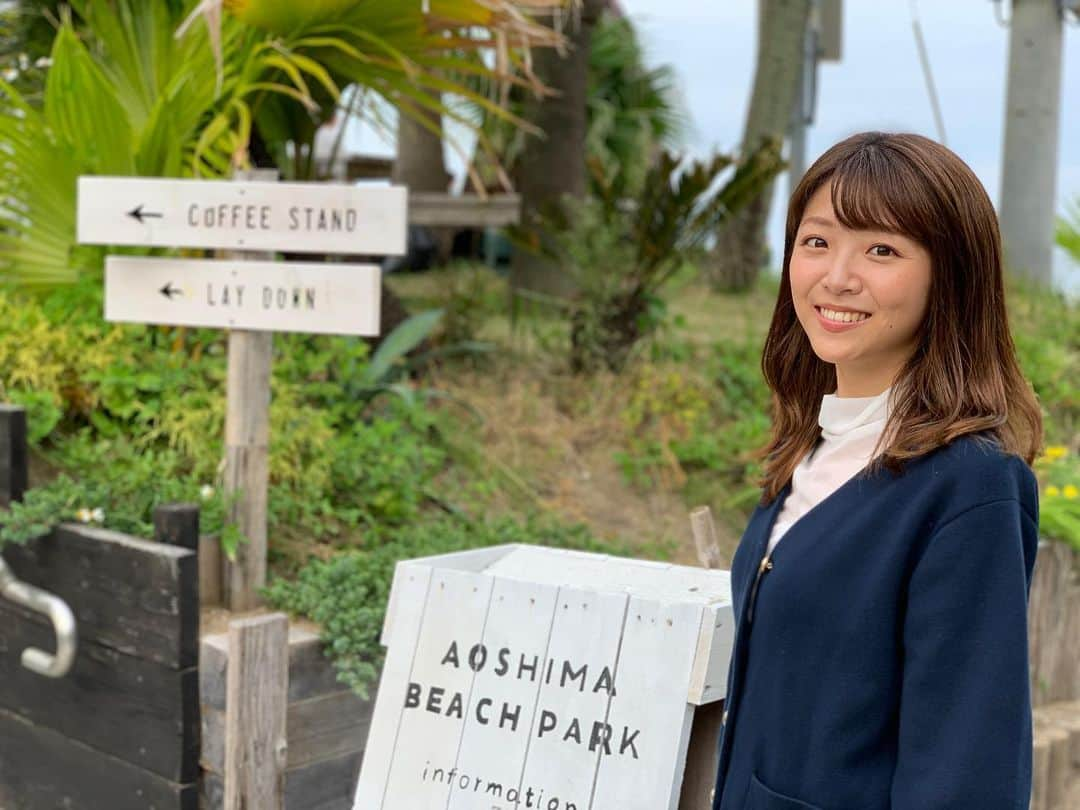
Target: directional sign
[(295, 217), (264, 296)]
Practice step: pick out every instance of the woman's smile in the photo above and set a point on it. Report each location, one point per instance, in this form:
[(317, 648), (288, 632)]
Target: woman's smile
[(833, 320)]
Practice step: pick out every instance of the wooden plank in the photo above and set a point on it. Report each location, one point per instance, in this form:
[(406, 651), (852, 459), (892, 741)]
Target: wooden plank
[(478, 559), (247, 441), (211, 573), (435, 209), (151, 711), (41, 769), (327, 727), (255, 747), (1053, 624), (411, 584), (430, 731), (649, 716), (321, 728), (705, 541), (135, 596), (645, 578), (325, 785), (520, 621), (177, 524), (311, 673), (213, 671), (244, 215), (563, 756), (14, 468), (699, 776), (708, 682), (310, 297)]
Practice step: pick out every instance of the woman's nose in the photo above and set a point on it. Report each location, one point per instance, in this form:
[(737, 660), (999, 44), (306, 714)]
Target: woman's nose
[(841, 273)]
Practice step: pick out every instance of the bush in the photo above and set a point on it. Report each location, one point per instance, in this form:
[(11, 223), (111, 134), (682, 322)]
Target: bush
[(116, 485)]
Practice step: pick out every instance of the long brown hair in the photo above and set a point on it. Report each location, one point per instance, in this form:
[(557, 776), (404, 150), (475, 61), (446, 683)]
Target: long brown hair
[(963, 377)]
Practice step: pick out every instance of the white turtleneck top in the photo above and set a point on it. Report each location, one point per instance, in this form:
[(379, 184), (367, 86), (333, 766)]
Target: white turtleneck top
[(850, 427)]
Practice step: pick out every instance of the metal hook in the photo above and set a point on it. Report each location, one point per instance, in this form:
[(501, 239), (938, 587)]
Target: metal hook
[(63, 621)]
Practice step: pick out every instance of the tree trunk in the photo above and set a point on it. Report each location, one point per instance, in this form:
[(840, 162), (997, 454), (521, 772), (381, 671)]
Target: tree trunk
[(740, 249), (420, 164), (555, 164)]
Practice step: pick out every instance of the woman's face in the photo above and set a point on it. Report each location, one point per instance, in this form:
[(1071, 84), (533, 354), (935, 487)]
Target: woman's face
[(884, 276)]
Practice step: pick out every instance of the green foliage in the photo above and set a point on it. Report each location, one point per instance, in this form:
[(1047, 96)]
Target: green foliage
[(471, 295), (347, 594), (1045, 326), (1058, 471), (632, 109), (632, 112), (372, 474), (123, 96), (132, 91), (114, 484), (621, 254), (1068, 231), (338, 461), (391, 352)]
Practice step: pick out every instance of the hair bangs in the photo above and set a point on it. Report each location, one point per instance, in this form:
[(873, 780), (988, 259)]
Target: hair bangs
[(872, 190)]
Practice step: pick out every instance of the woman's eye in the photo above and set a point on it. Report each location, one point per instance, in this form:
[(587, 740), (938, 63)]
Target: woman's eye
[(882, 250), (814, 242)]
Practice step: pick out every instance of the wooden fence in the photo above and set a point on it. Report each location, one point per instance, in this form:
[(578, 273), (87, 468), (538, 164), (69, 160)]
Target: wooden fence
[(121, 730), (1053, 631)]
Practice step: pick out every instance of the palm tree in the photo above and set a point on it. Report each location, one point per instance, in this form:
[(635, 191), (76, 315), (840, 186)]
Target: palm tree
[(555, 165), (126, 95), (740, 250)]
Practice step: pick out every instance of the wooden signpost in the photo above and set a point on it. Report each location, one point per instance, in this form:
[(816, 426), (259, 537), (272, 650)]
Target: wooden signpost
[(246, 293), (523, 676), (242, 215), (272, 296)]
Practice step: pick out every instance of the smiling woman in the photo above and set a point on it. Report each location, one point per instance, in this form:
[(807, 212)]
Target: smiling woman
[(869, 288), (884, 573)]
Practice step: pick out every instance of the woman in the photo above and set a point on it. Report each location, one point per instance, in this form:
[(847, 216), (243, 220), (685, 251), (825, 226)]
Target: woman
[(880, 589)]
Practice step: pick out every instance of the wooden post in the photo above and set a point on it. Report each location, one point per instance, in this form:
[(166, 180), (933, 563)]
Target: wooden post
[(177, 524), (257, 687), (247, 444), (704, 531), (13, 454), (699, 776)]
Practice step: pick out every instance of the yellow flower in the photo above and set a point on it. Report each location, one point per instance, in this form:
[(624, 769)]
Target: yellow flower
[(1052, 491), (1056, 451), (1070, 491)]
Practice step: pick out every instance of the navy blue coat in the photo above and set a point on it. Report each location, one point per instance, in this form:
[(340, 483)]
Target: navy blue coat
[(882, 661)]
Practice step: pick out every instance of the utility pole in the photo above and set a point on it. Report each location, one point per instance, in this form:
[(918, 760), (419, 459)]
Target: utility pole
[(1032, 125), (823, 43)]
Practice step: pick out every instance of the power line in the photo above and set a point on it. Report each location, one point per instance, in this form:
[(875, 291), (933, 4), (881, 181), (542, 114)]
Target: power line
[(924, 60)]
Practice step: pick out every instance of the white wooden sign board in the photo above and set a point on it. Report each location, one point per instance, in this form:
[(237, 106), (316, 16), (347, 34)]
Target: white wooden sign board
[(294, 217), (522, 676), (262, 296)]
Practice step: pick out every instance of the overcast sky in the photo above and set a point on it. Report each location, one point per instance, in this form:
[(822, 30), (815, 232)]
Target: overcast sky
[(878, 84)]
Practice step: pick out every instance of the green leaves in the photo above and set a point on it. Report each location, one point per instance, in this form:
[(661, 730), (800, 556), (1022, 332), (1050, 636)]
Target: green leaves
[(621, 253), (406, 337), (1067, 232)]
